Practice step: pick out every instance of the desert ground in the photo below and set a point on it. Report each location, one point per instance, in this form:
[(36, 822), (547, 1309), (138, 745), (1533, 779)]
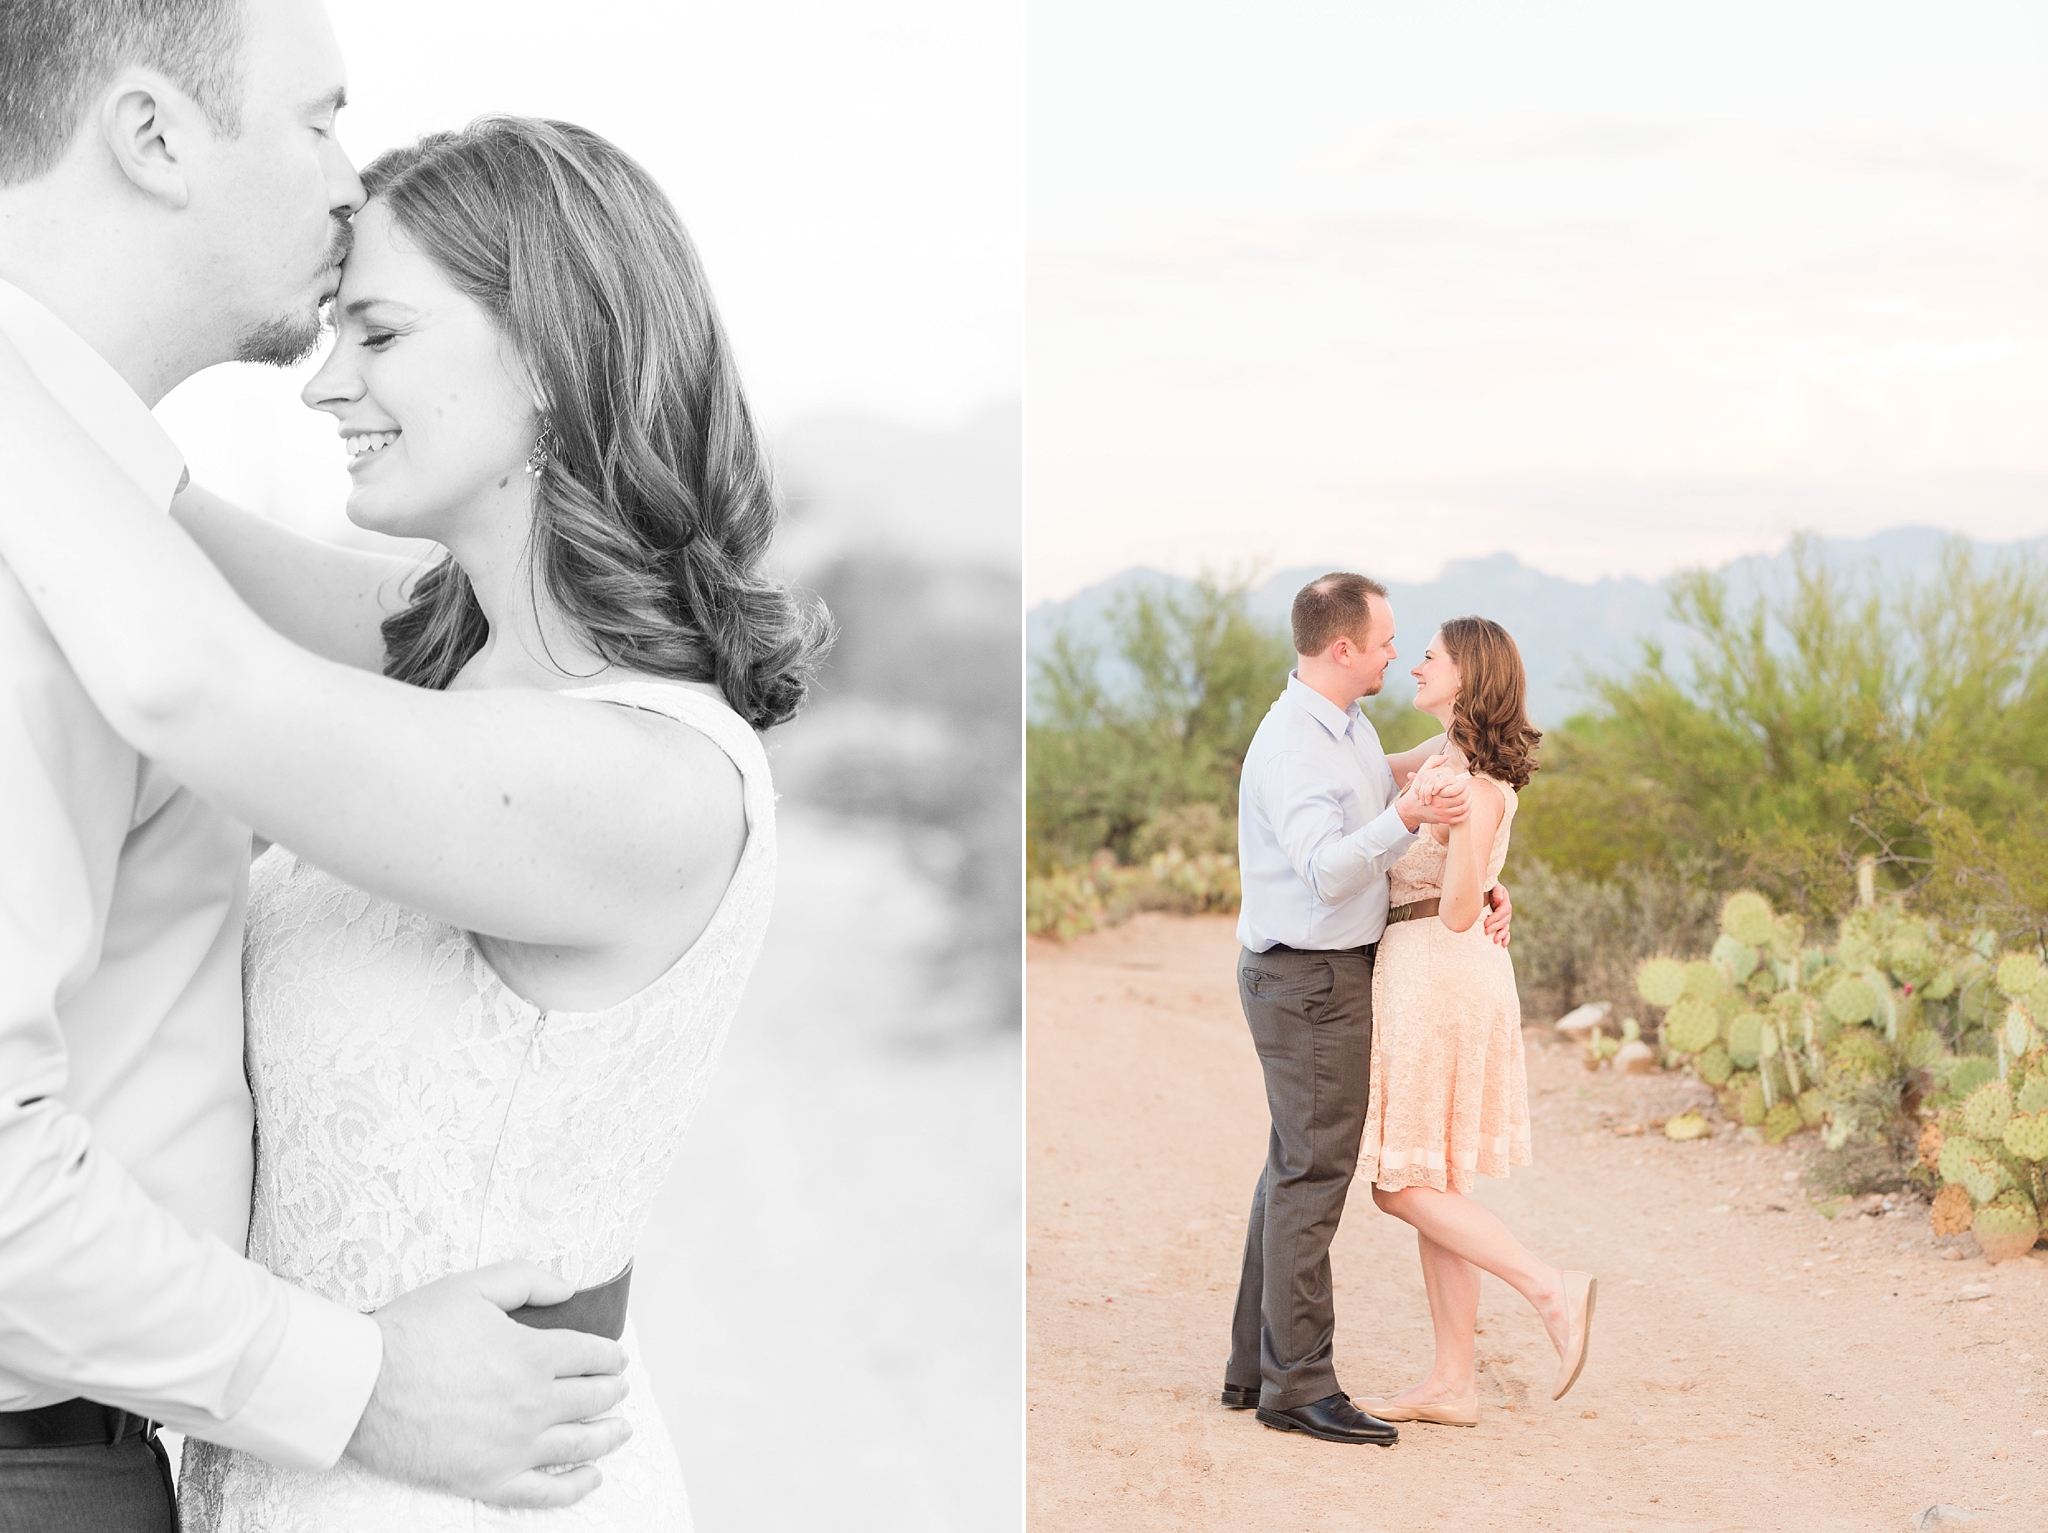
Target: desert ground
[(1754, 1364)]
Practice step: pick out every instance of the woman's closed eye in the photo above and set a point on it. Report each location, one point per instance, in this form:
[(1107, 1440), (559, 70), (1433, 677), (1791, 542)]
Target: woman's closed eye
[(377, 340)]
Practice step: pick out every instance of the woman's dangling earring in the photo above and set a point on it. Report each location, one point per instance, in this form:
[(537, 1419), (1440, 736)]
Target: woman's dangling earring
[(543, 448)]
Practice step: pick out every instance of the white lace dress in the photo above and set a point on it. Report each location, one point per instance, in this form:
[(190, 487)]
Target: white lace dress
[(415, 1118)]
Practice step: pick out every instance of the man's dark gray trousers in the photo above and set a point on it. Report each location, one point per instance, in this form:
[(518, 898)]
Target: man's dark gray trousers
[(1311, 1020)]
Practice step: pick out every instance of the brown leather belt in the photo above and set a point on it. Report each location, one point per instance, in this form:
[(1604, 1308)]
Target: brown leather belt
[(1414, 910), (71, 1424), (601, 1310)]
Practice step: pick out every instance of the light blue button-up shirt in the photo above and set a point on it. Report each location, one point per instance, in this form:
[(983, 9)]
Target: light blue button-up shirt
[(1316, 826)]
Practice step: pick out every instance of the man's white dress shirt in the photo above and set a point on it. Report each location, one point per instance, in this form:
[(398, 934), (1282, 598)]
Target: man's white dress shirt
[(125, 1119), (1316, 828)]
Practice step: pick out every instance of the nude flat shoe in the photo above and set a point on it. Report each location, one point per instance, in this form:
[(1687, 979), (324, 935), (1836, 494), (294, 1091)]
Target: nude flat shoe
[(1579, 1288), (1441, 1415)]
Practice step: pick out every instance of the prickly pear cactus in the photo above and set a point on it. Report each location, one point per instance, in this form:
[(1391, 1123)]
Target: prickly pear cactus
[(1952, 1210), (1859, 1056), (1852, 999), (1686, 1125), (2033, 1096), (1704, 981), (1971, 1164), (1661, 981), (1931, 1138), (1782, 1122), (1987, 1110), (1745, 1039), (2006, 1227), (1714, 1065), (1691, 1025), (1968, 1074), (1735, 959), (1813, 1107), (1751, 1103), (2026, 1135), (2019, 974), (1746, 916)]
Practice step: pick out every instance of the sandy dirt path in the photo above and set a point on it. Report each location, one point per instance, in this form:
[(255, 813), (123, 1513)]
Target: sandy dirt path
[(1753, 1365)]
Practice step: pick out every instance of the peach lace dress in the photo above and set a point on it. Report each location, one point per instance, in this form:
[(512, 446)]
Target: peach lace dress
[(1450, 1094)]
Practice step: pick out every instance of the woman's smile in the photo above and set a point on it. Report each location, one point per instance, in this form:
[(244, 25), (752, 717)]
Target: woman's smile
[(362, 446)]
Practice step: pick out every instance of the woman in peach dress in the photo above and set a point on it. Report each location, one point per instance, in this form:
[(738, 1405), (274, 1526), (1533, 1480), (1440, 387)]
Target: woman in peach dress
[(1449, 1099)]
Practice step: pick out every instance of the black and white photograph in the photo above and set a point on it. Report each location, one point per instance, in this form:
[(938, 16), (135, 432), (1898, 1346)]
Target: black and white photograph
[(510, 765)]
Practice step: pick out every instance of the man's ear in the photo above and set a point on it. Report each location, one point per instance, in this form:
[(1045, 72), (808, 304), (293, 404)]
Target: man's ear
[(148, 126)]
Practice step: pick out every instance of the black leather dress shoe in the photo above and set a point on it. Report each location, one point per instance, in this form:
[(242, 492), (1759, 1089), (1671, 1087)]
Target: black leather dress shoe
[(1334, 1419), (1240, 1397)]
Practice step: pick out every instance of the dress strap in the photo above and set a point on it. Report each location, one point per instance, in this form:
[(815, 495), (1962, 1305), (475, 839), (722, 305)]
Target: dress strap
[(709, 716)]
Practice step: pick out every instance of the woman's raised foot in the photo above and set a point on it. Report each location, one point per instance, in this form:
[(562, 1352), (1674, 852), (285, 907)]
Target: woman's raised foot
[(1579, 1289)]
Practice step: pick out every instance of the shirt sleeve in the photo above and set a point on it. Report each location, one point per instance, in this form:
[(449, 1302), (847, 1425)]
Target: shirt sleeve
[(103, 1293), (1308, 820)]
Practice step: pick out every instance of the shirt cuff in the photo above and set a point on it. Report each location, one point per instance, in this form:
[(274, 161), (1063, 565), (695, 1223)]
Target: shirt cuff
[(1390, 831), (305, 1407)]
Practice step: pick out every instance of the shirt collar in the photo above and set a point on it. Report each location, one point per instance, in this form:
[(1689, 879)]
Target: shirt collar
[(94, 395), (1318, 707)]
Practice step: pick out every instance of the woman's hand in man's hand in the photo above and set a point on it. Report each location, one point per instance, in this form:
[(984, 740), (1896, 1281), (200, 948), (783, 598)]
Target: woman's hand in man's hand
[(1436, 795)]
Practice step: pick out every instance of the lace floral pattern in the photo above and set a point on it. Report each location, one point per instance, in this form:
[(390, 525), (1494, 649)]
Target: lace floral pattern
[(1449, 1098), (415, 1118)]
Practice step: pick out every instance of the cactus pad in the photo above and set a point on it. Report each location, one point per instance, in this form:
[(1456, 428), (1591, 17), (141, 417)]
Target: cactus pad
[(1687, 1125), (2033, 1096), (1972, 1166), (1859, 1056), (1745, 1037), (1986, 1111), (1714, 1065), (2006, 1228), (1751, 1103), (1952, 1213), (1661, 981), (1737, 960), (2026, 1135), (2019, 973), (1703, 981), (1813, 1107), (1970, 1073), (1931, 1138), (1852, 999), (1747, 918), (1691, 1025), (1782, 1122), (1942, 986)]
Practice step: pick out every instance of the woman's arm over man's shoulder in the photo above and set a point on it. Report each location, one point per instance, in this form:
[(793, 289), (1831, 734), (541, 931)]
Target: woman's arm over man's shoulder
[(324, 598)]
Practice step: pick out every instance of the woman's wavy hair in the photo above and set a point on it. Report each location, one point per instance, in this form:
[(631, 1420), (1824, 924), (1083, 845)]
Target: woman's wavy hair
[(655, 502), (1490, 720)]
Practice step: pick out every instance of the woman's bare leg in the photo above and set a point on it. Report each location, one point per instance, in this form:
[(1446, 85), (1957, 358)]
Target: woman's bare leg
[(1453, 1285), (1463, 1229)]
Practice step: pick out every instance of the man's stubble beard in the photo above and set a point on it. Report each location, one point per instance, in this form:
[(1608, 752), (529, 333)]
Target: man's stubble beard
[(283, 341), (286, 340)]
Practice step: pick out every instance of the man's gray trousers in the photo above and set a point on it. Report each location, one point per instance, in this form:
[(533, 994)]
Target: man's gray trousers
[(1311, 1020)]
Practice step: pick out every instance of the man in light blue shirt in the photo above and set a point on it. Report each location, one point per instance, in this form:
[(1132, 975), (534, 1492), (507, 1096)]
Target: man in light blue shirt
[(1320, 823)]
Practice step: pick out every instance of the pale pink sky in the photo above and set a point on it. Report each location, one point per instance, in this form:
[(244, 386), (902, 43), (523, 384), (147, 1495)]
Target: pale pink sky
[(1614, 287)]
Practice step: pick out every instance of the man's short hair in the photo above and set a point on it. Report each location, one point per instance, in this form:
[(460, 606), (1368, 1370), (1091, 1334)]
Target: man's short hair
[(55, 53), (1338, 606)]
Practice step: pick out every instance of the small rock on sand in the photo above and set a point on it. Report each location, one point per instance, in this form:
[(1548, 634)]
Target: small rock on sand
[(1635, 1058), (1582, 1020)]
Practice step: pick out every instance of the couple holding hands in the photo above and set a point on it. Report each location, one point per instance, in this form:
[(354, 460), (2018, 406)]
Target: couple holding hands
[(1383, 1009)]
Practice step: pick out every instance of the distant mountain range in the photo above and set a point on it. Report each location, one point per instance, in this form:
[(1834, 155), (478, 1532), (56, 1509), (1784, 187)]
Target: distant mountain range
[(1566, 628)]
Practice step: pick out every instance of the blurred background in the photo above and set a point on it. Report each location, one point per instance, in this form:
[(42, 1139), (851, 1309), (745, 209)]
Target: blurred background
[(844, 1215)]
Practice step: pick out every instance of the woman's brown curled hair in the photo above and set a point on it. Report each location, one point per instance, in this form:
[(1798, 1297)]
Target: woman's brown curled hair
[(1490, 721), (655, 504)]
